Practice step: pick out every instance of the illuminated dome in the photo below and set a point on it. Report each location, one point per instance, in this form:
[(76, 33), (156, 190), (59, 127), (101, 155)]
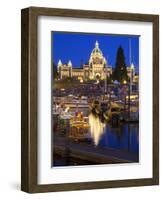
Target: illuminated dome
[(96, 57), (96, 50)]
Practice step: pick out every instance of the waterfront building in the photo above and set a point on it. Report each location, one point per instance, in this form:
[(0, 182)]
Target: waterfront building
[(97, 68)]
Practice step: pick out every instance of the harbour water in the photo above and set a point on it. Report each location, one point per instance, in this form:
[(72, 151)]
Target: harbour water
[(123, 138)]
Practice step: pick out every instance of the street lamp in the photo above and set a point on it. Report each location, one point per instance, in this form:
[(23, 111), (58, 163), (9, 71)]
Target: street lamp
[(124, 82)]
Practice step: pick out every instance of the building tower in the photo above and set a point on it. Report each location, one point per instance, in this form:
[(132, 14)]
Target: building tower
[(59, 68), (97, 63), (70, 68)]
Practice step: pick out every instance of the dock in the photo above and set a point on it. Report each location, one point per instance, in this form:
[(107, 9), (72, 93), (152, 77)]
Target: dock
[(87, 152)]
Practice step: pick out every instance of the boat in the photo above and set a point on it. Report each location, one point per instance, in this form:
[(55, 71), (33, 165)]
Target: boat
[(99, 107), (114, 113), (66, 114), (134, 115), (56, 109), (79, 121), (79, 128)]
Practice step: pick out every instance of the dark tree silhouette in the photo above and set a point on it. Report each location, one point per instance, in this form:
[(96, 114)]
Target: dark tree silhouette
[(55, 72), (120, 71), (109, 79)]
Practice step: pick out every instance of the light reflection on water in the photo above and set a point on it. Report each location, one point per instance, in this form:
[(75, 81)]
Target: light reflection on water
[(124, 137), (97, 128)]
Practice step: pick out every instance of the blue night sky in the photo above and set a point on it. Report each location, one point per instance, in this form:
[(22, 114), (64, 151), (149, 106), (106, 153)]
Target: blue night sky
[(78, 46)]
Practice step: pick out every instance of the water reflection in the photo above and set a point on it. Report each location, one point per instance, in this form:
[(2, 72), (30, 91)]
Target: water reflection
[(97, 128), (124, 137), (99, 138)]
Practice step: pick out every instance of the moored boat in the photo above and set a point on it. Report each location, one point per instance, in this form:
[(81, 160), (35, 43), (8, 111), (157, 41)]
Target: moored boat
[(79, 127)]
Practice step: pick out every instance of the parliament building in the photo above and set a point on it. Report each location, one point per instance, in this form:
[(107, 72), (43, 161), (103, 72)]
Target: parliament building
[(97, 68)]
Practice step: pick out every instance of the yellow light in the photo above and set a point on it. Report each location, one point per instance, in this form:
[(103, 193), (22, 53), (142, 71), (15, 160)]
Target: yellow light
[(124, 82), (132, 97)]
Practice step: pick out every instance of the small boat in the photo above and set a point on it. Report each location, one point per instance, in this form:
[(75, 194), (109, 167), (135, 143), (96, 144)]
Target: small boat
[(79, 128)]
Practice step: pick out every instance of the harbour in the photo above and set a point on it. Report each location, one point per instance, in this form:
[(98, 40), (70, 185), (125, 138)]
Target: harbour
[(82, 132), (95, 110)]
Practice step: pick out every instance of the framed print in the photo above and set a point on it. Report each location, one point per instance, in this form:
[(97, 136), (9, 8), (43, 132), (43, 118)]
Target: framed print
[(90, 100)]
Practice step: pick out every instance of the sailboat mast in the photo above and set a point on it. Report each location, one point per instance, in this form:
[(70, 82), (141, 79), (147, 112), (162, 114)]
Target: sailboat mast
[(130, 63), (106, 75)]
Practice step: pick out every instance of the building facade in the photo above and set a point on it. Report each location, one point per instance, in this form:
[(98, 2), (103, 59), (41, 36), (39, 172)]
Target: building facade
[(96, 69)]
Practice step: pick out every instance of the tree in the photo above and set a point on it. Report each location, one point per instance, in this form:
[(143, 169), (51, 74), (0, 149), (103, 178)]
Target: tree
[(120, 71), (55, 72)]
